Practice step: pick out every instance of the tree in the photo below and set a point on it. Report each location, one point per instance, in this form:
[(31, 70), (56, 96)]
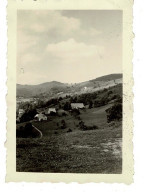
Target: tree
[(67, 106), (90, 104), (28, 115), (114, 112), (63, 126)]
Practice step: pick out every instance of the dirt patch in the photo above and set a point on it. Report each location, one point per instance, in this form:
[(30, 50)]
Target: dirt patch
[(115, 146)]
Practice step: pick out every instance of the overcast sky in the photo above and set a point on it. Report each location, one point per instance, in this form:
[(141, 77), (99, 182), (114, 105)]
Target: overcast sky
[(67, 46)]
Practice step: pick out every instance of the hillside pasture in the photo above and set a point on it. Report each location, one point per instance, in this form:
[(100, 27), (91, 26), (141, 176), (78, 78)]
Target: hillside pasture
[(76, 151)]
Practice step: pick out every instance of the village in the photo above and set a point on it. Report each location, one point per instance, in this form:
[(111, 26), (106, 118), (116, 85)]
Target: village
[(42, 114)]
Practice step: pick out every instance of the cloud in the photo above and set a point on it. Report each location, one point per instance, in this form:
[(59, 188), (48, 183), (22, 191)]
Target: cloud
[(53, 46), (45, 21), (70, 50), (35, 26), (25, 41)]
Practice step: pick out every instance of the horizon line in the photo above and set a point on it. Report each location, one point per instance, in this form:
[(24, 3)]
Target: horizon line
[(69, 83)]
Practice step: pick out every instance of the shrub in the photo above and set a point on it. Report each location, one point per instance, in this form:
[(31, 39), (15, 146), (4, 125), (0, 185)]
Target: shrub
[(28, 130), (63, 121), (75, 112), (67, 106), (85, 127), (20, 132), (90, 104), (64, 114), (115, 96), (25, 132), (114, 112), (52, 113), (28, 115), (81, 124), (63, 126), (109, 92), (78, 118), (69, 130), (94, 127)]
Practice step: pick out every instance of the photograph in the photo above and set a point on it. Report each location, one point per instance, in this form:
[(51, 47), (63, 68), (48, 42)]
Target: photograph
[(69, 91)]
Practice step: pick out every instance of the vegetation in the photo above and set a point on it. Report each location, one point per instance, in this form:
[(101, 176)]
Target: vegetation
[(114, 112), (73, 152), (63, 124), (28, 115), (79, 141), (85, 127), (27, 131)]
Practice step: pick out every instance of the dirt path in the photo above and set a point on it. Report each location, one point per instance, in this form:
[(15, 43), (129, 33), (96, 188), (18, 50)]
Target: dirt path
[(38, 131)]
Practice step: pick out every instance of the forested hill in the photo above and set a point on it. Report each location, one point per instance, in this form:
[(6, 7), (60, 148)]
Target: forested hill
[(54, 88)]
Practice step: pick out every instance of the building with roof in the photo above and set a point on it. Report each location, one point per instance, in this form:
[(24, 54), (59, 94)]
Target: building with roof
[(77, 105), (40, 117), (51, 110)]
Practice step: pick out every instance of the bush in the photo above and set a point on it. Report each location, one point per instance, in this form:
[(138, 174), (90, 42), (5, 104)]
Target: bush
[(109, 92), (94, 127), (63, 126), (75, 112), (28, 115), (67, 106), (63, 121), (64, 114), (114, 112), (78, 118), (20, 132), (69, 130), (27, 132), (85, 127), (52, 113), (90, 104), (81, 125)]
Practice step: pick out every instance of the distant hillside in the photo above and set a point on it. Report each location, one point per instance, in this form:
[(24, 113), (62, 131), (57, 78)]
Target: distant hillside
[(34, 90), (52, 89), (109, 77)]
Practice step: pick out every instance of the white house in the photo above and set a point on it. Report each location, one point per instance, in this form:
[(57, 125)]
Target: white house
[(21, 111), (77, 105), (51, 110), (40, 117)]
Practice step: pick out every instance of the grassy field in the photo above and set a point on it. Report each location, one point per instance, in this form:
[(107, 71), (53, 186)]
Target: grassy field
[(91, 151)]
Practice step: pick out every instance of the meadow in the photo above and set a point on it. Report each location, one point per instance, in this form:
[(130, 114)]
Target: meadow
[(76, 151)]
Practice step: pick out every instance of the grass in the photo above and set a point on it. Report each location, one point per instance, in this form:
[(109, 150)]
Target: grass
[(70, 154), (92, 151)]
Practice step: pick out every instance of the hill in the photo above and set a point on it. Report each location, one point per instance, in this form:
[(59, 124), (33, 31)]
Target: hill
[(109, 77), (36, 90), (54, 88)]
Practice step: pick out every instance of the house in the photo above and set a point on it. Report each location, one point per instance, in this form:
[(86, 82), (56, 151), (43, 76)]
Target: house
[(21, 111), (18, 120), (77, 105), (51, 110), (40, 117)]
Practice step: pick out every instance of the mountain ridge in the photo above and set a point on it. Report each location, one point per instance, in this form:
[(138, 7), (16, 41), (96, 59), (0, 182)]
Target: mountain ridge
[(53, 87)]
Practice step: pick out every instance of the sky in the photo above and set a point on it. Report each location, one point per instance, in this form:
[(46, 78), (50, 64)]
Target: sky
[(68, 46)]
